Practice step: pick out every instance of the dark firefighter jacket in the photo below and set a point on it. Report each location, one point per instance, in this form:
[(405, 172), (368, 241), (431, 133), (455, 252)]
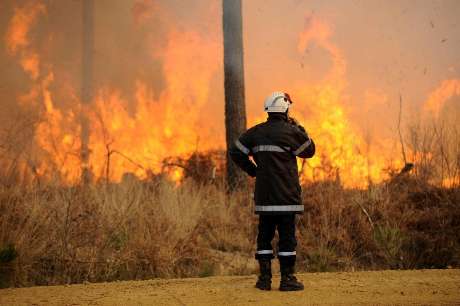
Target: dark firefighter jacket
[(274, 146)]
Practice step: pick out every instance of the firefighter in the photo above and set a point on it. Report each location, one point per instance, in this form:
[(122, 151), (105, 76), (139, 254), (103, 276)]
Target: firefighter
[(274, 146)]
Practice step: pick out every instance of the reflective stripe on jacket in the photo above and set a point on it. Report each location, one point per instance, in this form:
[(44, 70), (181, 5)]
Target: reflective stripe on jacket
[(274, 146)]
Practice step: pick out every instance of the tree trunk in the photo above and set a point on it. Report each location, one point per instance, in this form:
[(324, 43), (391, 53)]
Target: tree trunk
[(235, 109), (86, 88)]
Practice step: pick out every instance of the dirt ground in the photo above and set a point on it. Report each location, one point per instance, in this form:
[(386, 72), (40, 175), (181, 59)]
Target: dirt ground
[(422, 287)]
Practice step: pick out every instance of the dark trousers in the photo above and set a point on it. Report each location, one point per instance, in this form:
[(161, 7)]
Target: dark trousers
[(285, 224)]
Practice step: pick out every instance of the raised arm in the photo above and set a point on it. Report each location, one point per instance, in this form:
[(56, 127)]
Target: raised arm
[(304, 145)]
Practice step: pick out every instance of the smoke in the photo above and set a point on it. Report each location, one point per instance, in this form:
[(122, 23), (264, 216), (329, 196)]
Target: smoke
[(158, 76)]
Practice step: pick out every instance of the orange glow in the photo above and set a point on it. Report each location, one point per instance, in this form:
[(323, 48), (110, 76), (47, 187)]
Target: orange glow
[(159, 128), (134, 133), (437, 99), (30, 64), (342, 152), (20, 25)]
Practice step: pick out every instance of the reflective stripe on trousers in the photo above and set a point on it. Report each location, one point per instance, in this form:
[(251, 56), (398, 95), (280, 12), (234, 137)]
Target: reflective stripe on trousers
[(261, 252), (293, 253)]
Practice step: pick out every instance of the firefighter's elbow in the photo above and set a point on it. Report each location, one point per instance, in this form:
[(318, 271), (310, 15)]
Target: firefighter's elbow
[(306, 155), (309, 151), (310, 154)]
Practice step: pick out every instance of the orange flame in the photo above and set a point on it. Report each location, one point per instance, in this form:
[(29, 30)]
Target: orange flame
[(343, 153), (437, 99), (170, 125), (135, 133), (173, 124)]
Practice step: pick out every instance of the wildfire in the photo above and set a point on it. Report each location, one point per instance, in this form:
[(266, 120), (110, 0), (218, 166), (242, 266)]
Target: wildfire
[(343, 153), (438, 98), (122, 141), (440, 120), (135, 133), (54, 132)]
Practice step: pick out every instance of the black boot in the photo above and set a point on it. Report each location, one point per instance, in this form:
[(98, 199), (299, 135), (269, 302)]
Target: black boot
[(288, 281), (265, 278)]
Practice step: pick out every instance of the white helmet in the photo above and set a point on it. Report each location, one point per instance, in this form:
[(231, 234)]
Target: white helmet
[(277, 102)]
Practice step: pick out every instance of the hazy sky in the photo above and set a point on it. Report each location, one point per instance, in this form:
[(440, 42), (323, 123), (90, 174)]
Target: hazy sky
[(389, 46)]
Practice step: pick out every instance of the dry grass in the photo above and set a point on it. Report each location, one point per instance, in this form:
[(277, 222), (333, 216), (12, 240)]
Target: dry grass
[(401, 224), (138, 230), (132, 230)]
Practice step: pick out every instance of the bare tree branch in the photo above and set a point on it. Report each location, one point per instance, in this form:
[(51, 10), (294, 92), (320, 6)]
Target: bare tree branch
[(399, 129)]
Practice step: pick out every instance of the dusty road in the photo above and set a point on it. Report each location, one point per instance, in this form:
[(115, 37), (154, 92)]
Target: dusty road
[(426, 287)]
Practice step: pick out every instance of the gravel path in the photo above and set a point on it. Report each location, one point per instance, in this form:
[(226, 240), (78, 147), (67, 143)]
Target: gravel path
[(415, 287)]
